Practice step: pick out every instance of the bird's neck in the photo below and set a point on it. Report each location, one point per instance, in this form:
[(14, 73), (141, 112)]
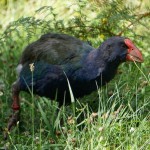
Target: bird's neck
[(91, 65), (94, 60), (96, 66)]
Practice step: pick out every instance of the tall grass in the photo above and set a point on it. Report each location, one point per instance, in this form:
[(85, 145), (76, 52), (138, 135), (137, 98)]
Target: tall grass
[(116, 125)]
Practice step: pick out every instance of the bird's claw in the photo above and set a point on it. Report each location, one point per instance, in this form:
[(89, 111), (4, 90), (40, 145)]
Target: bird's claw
[(12, 122)]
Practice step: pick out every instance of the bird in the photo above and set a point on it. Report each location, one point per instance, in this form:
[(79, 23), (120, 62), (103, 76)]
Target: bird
[(47, 65)]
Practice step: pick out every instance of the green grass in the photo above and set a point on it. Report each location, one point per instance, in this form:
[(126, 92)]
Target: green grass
[(116, 116)]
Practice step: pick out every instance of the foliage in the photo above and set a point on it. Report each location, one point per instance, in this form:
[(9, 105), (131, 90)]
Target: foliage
[(122, 106)]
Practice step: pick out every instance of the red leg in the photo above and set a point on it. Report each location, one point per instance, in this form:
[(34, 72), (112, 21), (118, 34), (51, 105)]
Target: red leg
[(15, 106), (16, 100)]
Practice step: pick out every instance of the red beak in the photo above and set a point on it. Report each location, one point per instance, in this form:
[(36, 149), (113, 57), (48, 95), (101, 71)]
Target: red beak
[(133, 53)]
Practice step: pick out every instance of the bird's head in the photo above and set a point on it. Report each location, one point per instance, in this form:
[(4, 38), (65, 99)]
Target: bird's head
[(121, 49)]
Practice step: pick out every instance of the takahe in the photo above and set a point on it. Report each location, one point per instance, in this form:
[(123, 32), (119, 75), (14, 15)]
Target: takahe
[(57, 57)]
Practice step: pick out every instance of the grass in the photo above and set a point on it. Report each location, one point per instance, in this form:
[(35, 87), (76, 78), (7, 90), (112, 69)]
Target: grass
[(117, 119), (113, 117)]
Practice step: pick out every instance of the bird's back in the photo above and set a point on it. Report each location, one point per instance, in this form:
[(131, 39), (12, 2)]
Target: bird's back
[(53, 55), (55, 49)]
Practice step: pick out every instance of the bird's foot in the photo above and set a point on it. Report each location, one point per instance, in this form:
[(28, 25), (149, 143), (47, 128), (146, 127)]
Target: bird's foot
[(14, 118)]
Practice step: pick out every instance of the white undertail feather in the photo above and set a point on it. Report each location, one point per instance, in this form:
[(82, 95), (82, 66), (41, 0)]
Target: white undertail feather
[(19, 68)]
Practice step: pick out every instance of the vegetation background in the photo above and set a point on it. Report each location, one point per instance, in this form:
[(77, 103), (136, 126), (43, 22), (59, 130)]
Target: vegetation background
[(113, 117)]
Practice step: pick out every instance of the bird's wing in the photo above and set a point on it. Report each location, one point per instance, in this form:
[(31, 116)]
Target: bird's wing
[(55, 49)]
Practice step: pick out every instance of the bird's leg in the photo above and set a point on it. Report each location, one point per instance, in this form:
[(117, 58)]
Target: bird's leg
[(14, 118)]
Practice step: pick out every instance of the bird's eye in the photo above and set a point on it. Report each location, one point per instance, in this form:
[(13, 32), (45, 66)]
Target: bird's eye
[(123, 46), (109, 46)]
